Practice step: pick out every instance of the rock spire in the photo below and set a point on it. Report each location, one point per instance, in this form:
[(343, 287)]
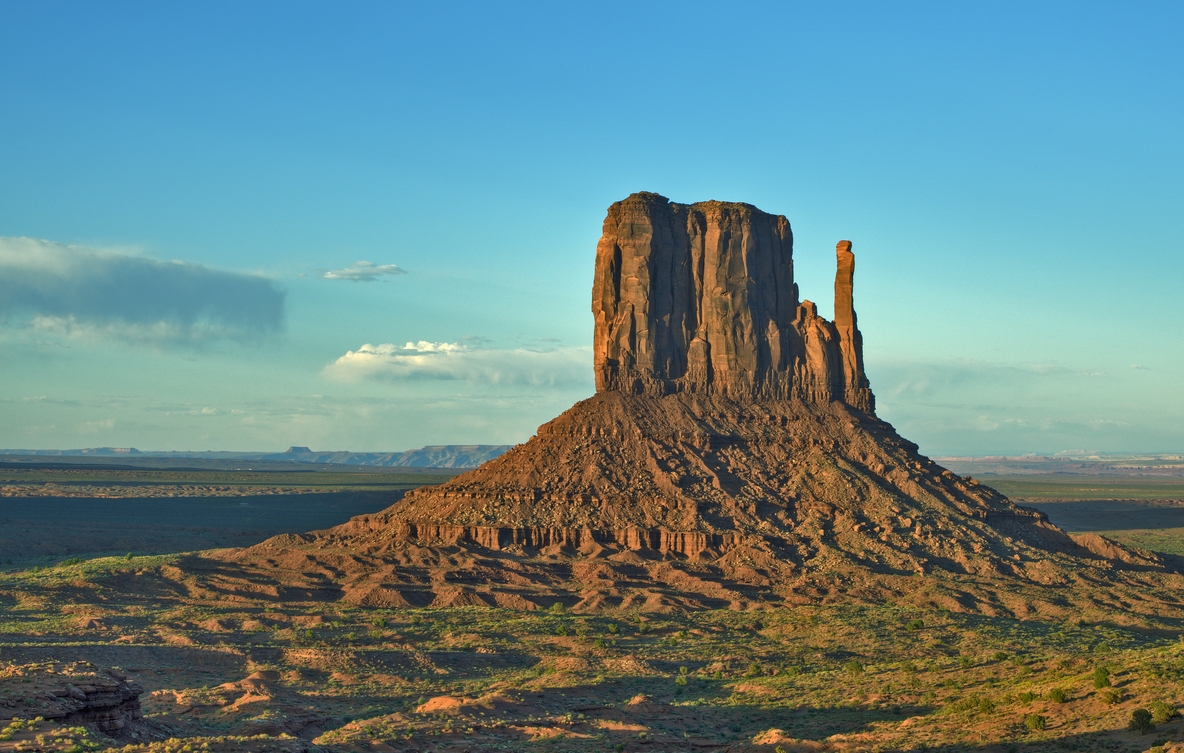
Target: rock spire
[(856, 389), (700, 298)]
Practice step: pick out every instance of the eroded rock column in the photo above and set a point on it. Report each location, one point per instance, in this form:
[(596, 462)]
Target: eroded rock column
[(855, 389)]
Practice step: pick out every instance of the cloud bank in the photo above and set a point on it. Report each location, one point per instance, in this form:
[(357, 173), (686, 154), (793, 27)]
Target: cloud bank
[(362, 271), (423, 360), (81, 292)]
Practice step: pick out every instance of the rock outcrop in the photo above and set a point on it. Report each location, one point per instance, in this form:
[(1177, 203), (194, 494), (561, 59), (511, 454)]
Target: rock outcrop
[(701, 298), (731, 454), (77, 694)]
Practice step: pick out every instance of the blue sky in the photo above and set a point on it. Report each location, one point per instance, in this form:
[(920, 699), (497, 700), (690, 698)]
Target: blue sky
[(189, 194)]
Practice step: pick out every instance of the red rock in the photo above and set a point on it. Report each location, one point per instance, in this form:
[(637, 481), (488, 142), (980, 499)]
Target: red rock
[(732, 449)]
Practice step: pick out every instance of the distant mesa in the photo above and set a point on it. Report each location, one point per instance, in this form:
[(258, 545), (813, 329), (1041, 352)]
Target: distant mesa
[(434, 456), (85, 452), (731, 456)]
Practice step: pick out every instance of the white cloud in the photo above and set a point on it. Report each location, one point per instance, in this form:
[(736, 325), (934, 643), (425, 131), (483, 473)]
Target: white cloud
[(362, 271), (84, 293), (425, 360), (95, 427)]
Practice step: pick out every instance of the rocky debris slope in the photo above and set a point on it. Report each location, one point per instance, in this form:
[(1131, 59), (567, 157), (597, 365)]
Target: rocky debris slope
[(731, 454)]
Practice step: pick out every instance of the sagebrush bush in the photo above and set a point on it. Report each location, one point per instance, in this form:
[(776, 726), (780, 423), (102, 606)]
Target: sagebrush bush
[(1101, 677), (1058, 695), (1162, 712), (853, 667), (1035, 722)]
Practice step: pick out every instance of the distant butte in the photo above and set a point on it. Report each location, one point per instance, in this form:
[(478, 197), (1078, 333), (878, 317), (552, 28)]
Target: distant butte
[(731, 456)]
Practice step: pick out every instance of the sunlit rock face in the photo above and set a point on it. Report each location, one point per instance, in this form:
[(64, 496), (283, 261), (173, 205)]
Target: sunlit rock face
[(701, 298)]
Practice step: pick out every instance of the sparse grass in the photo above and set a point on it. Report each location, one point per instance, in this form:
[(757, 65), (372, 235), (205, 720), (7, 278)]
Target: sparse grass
[(846, 664), (899, 677)]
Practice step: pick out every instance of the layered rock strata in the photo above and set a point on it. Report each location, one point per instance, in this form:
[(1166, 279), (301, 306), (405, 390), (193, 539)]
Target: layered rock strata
[(104, 700)]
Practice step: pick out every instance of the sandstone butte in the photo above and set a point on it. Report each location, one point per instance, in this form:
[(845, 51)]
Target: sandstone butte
[(731, 457)]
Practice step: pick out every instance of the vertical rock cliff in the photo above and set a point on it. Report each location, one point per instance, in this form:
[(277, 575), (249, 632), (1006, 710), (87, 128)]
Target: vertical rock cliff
[(700, 298)]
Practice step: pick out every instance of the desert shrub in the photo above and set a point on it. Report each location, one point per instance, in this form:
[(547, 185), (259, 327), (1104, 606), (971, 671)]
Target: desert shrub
[(561, 629), (908, 667), (969, 703), (1101, 677), (1000, 655), (1112, 695), (556, 608), (683, 671), (1058, 695), (1141, 721), (1162, 712), (70, 561), (853, 667), (378, 622), (965, 662), (754, 670), (1027, 696), (613, 628), (1035, 722), (599, 643), (914, 624), (718, 675)]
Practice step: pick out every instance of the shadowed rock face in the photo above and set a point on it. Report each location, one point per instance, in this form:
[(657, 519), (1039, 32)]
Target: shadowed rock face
[(701, 298)]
